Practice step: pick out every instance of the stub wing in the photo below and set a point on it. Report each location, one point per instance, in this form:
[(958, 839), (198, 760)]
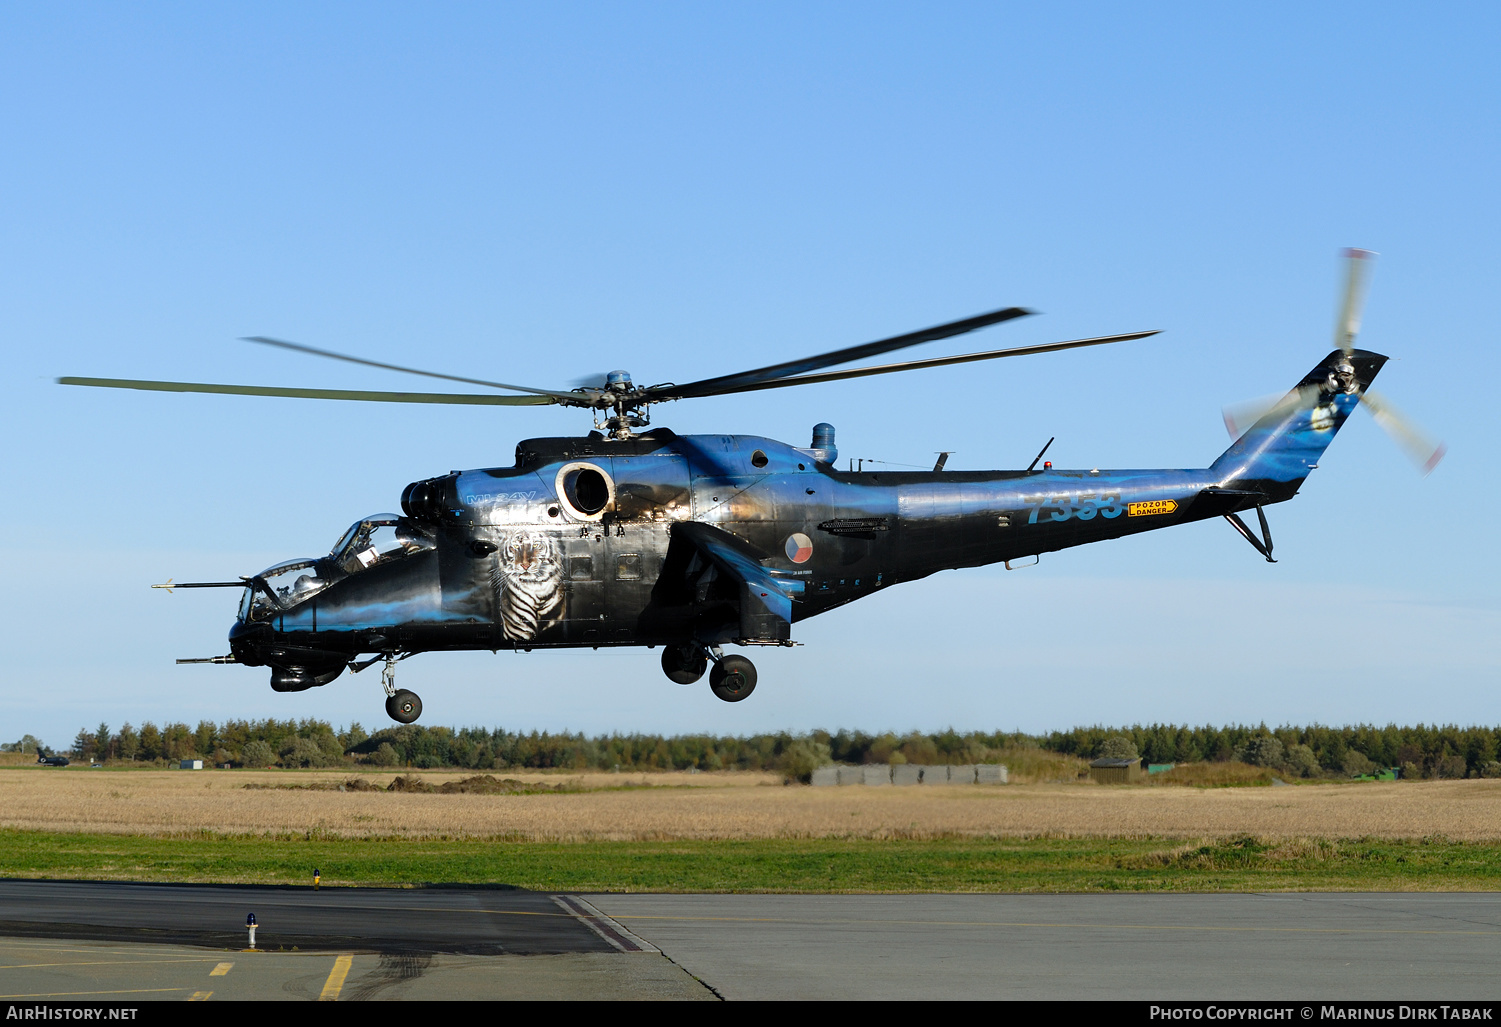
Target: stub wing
[(765, 600)]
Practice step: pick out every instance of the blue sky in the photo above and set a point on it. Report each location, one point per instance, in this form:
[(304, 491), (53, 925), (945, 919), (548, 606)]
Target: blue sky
[(538, 193)]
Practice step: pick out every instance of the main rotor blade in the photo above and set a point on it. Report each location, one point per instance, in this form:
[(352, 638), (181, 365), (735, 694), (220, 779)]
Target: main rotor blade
[(266, 390), (744, 379), (298, 347), (1420, 449), (1359, 264), (912, 365)]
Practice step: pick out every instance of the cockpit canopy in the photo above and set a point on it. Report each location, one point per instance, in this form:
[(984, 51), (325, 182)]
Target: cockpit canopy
[(369, 542), (376, 539)]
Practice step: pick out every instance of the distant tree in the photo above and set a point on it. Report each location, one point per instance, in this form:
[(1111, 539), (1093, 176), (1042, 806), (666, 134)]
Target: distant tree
[(304, 752), (203, 737), (919, 748), (128, 744), (151, 742), (83, 744), (1358, 764), (1302, 761), (1451, 766), (102, 742), (178, 742), (1261, 751), (257, 754), (353, 738), (385, 756), (26, 743), (331, 746), (1118, 747), (804, 756)]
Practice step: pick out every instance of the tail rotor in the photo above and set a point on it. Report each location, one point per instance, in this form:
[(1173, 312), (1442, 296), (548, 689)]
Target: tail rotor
[(1423, 451)]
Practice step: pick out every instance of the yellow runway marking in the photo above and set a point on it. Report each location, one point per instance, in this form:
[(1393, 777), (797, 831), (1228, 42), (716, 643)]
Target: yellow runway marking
[(220, 970), (69, 994), (336, 979), (199, 996)]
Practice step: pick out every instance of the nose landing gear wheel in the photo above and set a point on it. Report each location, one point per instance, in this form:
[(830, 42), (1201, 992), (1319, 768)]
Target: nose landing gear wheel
[(683, 664), (404, 707), (733, 678)]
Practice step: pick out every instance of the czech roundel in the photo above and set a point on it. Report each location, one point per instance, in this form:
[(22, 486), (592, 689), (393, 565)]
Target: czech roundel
[(799, 547)]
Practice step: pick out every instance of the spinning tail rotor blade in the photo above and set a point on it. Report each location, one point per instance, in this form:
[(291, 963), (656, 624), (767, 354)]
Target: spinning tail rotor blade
[(1240, 416), (1359, 264), (1420, 449)]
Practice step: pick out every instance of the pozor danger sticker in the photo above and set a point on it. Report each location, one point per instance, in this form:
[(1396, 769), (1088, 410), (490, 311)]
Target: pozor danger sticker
[(799, 547), (1155, 506)]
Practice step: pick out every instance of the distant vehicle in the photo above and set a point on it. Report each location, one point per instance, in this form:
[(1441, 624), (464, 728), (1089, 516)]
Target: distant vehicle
[(52, 761)]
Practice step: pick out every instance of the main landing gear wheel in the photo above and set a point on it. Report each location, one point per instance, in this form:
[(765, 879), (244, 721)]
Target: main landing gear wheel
[(684, 665), (404, 707), (733, 678)]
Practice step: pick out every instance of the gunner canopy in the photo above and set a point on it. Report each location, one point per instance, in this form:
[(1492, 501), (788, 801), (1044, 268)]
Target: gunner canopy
[(369, 542)]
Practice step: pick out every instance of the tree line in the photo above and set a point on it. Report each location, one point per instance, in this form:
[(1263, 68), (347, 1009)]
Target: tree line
[(1430, 751)]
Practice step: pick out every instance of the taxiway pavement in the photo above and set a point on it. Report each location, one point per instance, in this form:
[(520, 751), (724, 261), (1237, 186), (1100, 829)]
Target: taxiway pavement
[(105, 940)]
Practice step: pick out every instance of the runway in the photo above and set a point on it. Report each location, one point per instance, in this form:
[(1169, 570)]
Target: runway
[(62, 939)]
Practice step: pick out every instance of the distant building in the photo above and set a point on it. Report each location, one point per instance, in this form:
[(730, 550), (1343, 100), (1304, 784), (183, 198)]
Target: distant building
[(1114, 770), (191, 765), (912, 774)]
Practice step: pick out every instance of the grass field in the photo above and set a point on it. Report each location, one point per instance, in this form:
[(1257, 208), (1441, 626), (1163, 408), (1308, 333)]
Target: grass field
[(729, 805), (771, 865), (746, 832)]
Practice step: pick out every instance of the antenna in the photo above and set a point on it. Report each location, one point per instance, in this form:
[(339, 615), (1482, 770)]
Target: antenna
[(1041, 451)]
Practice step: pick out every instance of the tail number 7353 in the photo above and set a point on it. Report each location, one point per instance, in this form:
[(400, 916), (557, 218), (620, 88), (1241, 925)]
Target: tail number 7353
[(1083, 505)]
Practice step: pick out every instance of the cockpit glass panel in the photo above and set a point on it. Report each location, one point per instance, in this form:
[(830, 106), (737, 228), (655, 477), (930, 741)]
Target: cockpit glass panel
[(290, 583), (376, 540)]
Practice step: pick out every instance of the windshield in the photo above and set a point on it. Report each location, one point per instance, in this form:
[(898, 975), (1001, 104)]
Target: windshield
[(376, 539), (290, 583)]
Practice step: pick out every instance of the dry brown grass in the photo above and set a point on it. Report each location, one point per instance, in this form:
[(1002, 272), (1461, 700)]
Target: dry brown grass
[(1033, 766), (733, 805), (1214, 775)]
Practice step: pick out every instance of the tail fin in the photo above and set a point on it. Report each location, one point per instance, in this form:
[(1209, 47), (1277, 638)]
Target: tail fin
[(1276, 453)]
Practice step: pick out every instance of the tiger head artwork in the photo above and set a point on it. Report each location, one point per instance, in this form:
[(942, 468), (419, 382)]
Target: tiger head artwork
[(528, 585)]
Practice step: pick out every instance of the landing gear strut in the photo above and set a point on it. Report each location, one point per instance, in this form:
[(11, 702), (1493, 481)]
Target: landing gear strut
[(402, 706)]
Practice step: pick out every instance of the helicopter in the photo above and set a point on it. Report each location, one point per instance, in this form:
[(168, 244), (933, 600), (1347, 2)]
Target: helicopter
[(637, 536)]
